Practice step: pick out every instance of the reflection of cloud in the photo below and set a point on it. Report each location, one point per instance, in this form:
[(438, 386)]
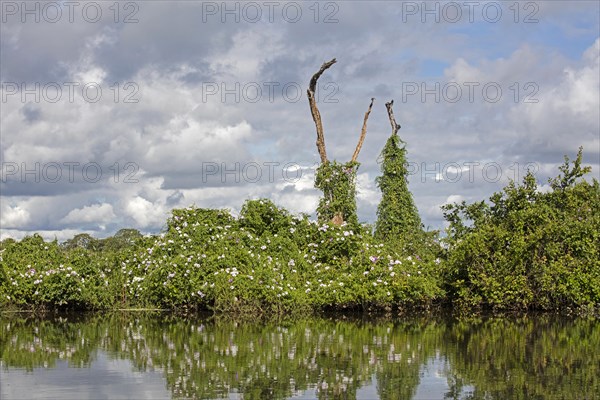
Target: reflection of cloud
[(105, 378)]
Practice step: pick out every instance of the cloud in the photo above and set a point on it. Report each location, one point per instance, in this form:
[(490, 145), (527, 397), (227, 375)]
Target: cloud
[(145, 213), (96, 213), (14, 217), (157, 131)]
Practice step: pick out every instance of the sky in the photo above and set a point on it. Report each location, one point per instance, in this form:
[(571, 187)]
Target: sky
[(114, 113)]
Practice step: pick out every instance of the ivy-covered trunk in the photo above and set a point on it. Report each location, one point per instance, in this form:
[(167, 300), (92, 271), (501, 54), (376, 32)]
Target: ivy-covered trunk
[(397, 215), (338, 183)]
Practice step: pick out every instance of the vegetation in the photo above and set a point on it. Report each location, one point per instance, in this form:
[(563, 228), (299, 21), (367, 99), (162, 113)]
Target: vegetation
[(336, 180), (525, 250), (338, 183), (528, 249), (398, 219), (265, 261)]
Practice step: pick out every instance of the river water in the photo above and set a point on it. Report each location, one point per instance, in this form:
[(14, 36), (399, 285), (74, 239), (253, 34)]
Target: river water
[(158, 356)]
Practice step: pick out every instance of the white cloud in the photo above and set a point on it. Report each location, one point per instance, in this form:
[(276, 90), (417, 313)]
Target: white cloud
[(145, 213), (14, 217), (100, 213), (174, 128)]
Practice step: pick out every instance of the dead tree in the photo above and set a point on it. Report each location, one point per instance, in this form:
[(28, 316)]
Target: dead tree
[(337, 181)]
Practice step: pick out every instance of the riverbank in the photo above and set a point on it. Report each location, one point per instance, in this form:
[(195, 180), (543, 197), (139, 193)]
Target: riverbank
[(273, 263), (524, 250)]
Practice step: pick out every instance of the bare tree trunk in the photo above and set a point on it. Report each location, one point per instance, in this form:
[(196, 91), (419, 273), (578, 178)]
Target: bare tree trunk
[(315, 111), (363, 132), (395, 126)]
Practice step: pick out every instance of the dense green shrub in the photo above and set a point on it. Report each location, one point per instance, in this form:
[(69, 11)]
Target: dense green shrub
[(260, 216), (528, 249), (44, 276)]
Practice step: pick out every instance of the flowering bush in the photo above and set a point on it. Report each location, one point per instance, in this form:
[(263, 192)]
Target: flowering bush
[(527, 250), (264, 261)]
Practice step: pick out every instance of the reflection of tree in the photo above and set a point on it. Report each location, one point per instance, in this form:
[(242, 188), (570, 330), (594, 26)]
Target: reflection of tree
[(527, 358), (208, 359), (499, 358), (410, 347), (32, 342)]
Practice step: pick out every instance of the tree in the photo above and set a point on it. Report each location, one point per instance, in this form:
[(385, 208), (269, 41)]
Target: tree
[(397, 215), (528, 249), (337, 181), (83, 241)]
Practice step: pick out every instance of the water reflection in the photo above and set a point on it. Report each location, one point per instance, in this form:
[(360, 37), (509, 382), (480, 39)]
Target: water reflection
[(158, 356)]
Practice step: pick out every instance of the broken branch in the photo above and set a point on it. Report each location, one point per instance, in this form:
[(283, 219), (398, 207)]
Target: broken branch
[(363, 132), (395, 126)]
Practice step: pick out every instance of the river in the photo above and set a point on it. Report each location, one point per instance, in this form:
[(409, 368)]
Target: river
[(159, 356)]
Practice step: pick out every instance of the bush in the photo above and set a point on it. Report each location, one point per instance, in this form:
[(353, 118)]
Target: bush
[(527, 249)]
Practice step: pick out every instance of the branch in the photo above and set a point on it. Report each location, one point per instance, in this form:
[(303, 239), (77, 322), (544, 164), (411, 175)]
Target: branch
[(395, 126), (315, 111), (363, 133)]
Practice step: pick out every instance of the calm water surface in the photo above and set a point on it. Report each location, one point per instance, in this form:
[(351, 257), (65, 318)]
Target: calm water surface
[(154, 356)]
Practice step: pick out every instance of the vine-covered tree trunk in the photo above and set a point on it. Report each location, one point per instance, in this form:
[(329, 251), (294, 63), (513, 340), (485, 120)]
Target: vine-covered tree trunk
[(338, 183), (397, 215)]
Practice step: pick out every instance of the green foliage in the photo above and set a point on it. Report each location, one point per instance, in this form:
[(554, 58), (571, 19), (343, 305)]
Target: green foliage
[(397, 215), (266, 261), (42, 276), (260, 216), (528, 249), (523, 250), (124, 238), (338, 183)]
